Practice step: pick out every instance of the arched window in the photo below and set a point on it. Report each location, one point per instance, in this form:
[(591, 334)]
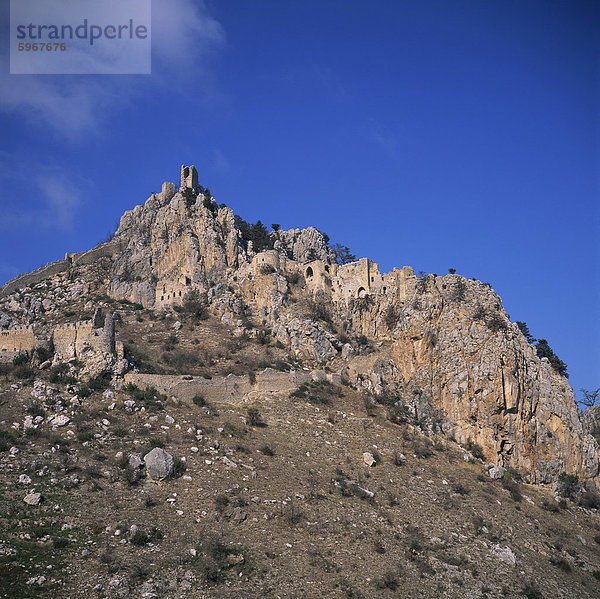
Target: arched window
[(361, 292), (327, 268), (309, 272)]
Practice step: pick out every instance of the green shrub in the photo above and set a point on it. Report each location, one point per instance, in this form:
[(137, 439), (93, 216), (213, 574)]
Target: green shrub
[(36, 409), (85, 436), (511, 486), (255, 417), (20, 359), (266, 450), (475, 449), (544, 350), (568, 485), (140, 538), (531, 591), (199, 401), (389, 581), (59, 542), (496, 323)]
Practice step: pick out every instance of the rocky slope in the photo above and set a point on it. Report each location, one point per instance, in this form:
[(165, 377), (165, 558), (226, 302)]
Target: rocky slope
[(441, 348)]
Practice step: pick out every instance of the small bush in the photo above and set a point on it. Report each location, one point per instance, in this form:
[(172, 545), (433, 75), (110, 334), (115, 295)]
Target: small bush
[(561, 562), (511, 486), (85, 436), (140, 538), (460, 489), (476, 450), (550, 506), (221, 503), (20, 360), (496, 323), (531, 591), (568, 485), (59, 542), (389, 581), (36, 409), (199, 401), (266, 450), (255, 417)]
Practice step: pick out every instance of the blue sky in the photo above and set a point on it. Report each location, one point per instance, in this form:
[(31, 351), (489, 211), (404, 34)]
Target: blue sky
[(436, 134)]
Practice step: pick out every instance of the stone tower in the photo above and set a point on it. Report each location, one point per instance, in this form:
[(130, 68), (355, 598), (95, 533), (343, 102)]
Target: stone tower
[(189, 177)]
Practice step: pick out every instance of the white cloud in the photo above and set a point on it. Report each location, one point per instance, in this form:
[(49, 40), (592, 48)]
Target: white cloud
[(183, 35), (62, 200), (55, 205), (220, 162)]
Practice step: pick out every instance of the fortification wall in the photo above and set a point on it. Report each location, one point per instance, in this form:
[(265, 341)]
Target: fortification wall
[(230, 389), (34, 277), (15, 341), (104, 250), (70, 340)]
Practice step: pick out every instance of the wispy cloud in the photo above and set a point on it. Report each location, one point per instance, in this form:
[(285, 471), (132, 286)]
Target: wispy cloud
[(55, 205), (381, 137), (183, 36), (220, 162)]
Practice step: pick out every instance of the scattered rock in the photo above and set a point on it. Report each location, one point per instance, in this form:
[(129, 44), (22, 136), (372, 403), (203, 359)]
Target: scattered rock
[(368, 459), (33, 498), (60, 420), (505, 554)]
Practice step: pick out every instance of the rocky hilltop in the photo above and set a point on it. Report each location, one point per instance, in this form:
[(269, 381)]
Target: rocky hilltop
[(439, 350)]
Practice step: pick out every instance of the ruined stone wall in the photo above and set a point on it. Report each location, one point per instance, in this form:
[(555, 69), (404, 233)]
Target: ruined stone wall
[(104, 250), (70, 340), (34, 277), (232, 388), (16, 341)]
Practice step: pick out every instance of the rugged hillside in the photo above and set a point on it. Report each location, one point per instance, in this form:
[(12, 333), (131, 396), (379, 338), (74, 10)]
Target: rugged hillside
[(299, 409), (441, 347)]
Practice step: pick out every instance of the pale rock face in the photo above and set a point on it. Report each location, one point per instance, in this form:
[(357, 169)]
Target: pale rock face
[(305, 245), (442, 347), (307, 339), (591, 422), (456, 354), (172, 245)]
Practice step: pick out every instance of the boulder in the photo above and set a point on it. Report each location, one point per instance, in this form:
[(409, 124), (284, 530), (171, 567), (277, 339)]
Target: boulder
[(159, 464), (496, 472), (33, 498), (368, 459), (505, 554)]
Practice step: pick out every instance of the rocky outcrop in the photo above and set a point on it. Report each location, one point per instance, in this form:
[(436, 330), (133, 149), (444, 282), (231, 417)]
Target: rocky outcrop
[(305, 245), (173, 245), (591, 422), (457, 358)]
